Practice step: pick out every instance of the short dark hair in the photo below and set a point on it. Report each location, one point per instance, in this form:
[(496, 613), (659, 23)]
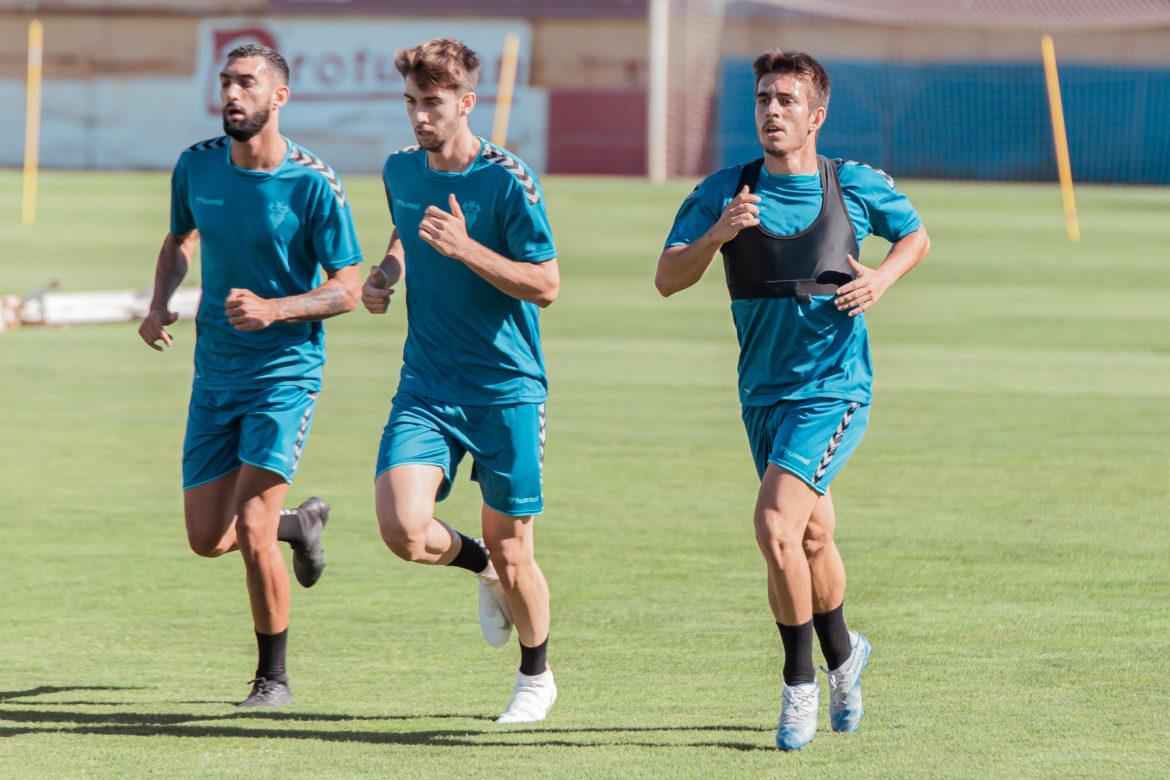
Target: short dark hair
[(274, 59), (442, 62), (798, 64)]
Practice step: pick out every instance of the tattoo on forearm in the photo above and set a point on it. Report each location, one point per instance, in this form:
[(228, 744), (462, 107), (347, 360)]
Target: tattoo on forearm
[(326, 301)]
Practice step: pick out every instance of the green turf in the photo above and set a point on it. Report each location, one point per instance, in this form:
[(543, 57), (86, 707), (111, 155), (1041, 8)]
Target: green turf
[(1004, 524)]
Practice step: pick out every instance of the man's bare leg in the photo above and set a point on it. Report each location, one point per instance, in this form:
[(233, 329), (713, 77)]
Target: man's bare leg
[(209, 511), (824, 560), (511, 543), (241, 510), (405, 500), (783, 508), (210, 515), (259, 496), (828, 584), (404, 497)]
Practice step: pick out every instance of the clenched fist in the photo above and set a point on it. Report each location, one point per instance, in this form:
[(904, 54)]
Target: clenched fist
[(740, 213), (376, 291), (446, 232), (246, 310)]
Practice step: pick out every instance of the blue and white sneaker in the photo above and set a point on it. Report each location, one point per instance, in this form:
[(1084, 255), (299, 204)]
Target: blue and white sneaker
[(798, 715), (845, 708)]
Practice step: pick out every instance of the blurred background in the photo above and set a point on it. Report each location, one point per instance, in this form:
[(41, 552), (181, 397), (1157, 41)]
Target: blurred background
[(922, 88)]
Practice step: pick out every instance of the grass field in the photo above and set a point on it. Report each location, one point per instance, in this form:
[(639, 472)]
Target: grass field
[(1005, 524)]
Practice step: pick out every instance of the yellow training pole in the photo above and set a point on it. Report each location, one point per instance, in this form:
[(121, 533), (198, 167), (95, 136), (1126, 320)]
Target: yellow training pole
[(1063, 167), (32, 123), (504, 92)]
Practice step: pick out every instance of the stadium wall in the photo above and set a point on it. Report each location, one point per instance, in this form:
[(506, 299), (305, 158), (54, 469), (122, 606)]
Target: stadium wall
[(114, 67), (138, 101), (976, 120)]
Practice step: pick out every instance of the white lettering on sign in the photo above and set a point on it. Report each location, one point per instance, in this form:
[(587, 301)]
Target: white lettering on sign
[(345, 61)]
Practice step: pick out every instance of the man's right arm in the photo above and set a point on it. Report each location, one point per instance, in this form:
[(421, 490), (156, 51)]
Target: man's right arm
[(174, 259), (679, 267), (379, 285)]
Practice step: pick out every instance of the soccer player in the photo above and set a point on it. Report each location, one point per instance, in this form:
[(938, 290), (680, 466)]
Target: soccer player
[(268, 213), (789, 227), (473, 239)]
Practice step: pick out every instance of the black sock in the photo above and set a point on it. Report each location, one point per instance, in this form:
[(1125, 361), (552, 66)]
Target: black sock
[(272, 648), (470, 556), (798, 664), (534, 660), (834, 636), (289, 529)]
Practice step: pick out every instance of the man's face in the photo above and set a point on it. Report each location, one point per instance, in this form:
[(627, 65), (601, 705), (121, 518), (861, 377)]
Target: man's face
[(249, 92), (436, 113), (784, 118)]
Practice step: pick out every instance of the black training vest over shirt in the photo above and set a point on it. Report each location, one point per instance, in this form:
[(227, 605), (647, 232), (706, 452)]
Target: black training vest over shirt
[(759, 264)]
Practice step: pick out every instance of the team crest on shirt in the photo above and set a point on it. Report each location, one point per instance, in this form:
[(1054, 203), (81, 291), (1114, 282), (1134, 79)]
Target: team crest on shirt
[(471, 211), (277, 211)]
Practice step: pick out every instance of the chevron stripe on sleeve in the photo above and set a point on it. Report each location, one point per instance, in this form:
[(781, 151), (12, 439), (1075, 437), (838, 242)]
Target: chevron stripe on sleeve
[(513, 165), (302, 157), (218, 142)]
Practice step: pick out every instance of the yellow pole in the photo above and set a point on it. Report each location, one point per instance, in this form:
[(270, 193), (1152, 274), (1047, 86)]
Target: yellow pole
[(504, 92), (1063, 167), (32, 123)]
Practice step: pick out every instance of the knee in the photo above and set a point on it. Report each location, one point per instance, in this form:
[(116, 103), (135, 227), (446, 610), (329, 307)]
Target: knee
[(255, 531), (816, 540), (208, 536), (406, 540), (207, 546), (510, 560), (776, 532)]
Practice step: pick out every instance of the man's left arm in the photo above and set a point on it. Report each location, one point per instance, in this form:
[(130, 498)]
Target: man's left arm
[(340, 293), (335, 245), (890, 215), (537, 283), (871, 283)]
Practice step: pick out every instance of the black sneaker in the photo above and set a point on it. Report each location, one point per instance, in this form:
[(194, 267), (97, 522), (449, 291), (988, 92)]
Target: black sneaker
[(308, 557), (267, 693)]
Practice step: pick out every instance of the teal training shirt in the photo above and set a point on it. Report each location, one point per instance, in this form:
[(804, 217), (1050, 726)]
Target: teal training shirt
[(466, 341), (268, 232), (791, 350)]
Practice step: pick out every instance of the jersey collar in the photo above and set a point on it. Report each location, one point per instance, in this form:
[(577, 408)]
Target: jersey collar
[(449, 175), (250, 174)]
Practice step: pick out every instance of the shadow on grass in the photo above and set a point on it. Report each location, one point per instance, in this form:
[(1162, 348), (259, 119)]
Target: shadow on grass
[(41, 690), (199, 726)]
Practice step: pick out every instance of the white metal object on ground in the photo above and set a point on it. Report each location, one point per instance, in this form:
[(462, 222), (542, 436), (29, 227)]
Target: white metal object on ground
[(91, 307)]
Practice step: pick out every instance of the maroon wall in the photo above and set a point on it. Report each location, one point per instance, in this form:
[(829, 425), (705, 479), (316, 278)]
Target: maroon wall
[(597, 131)]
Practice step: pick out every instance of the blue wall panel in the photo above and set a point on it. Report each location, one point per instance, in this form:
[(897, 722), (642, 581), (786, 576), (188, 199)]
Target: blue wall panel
[(976, 121)]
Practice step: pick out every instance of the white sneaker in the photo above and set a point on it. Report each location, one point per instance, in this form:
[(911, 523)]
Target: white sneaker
[(532, 698), (495, 619), (845, 708), (798, 715)]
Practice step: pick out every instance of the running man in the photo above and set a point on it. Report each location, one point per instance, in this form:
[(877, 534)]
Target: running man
[(473, 238), (789, 227), (268, 213)]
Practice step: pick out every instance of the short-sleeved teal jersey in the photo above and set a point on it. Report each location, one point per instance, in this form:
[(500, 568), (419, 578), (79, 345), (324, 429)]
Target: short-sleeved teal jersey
[(791, 350), (466, 341), (268, 232)]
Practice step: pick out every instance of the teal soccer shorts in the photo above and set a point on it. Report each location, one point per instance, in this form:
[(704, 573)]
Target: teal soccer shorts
[(506, 443), (265, 428), (811, 438)]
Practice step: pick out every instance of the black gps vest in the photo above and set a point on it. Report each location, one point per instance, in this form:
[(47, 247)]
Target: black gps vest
[(759, 264)]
